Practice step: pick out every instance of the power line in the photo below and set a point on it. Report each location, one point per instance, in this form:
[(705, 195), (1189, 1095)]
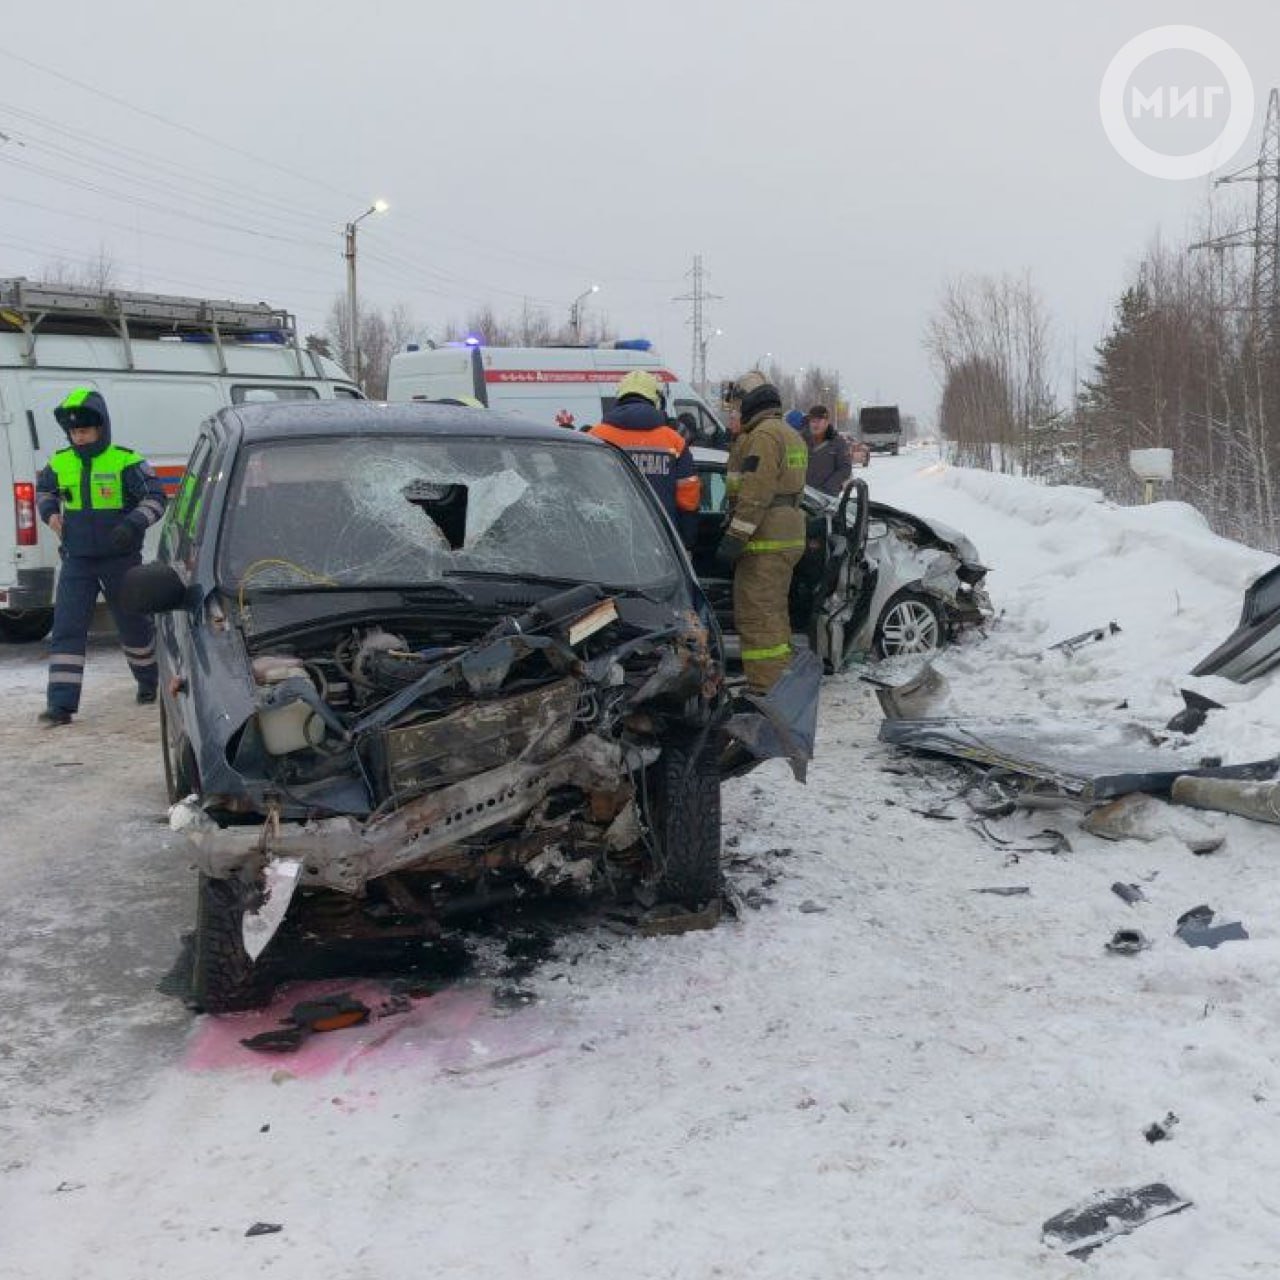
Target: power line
[(174, 124), (228, 194)]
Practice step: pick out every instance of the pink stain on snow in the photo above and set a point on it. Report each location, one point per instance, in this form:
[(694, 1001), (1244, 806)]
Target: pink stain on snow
[(456, 1031)]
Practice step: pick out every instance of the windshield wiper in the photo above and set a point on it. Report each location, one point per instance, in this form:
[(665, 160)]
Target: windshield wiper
[(497, 575), (416, 592), (493, 575)]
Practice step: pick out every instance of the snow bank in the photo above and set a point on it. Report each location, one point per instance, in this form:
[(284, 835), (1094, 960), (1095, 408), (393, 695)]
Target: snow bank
[(878, 1070)]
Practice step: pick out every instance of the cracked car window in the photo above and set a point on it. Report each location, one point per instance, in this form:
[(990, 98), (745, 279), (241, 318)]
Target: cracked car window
[(338, 512)]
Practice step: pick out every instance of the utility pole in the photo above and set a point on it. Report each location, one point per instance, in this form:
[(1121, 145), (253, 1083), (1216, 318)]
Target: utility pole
[(349, 252), (1264, 236), (699, 297), (575, 313)]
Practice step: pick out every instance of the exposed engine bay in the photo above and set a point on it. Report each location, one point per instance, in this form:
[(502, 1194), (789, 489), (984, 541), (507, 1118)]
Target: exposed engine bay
[(376, 749)]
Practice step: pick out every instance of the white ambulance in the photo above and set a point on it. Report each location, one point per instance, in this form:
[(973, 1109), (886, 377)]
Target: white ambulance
[(546, 384), (163, 364)]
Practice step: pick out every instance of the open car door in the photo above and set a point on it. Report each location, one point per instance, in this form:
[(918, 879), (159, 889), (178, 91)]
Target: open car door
[(848, 580)]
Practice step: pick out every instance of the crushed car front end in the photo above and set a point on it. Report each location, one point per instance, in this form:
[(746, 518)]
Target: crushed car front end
[(416, 668)]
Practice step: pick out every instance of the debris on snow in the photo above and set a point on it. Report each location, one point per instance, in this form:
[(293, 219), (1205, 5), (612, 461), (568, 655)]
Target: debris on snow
[(1147, 818), (1072, 643), (265, 1229), (277, 1040), (905, 692), (1128, 942), (330, 1013), (1086, 1226), (1196, 929), (1129, 893), (1081, 758), (1194, 712), (1257, 800), (1162, 1130)]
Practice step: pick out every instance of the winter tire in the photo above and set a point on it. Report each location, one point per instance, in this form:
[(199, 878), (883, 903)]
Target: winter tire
[(224, 979), (23, 626), (686, 823), (911, 623)]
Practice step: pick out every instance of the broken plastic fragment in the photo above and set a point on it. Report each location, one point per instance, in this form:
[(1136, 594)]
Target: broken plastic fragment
[(329, 1013), (1130, 893), (1161, 1130), (1128, 942), (1081, 1229), (279, 1040)]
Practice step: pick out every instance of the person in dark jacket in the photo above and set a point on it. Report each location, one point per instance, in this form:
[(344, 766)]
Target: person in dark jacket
[(99, 498), (638, 424), (830, 463)]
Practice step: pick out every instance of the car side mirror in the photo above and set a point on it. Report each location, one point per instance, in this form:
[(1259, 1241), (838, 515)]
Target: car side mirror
[(152, 588)]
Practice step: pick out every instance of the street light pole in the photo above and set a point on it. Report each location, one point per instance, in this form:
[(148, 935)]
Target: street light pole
[(349, 252), (575, 313), (706, 342)]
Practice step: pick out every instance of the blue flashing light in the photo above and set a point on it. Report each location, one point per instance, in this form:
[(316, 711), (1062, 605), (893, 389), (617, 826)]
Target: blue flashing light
[(633, 344), (474, 340)]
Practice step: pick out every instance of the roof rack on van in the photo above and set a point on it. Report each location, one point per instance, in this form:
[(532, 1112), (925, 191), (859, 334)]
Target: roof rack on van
[(33, 307)]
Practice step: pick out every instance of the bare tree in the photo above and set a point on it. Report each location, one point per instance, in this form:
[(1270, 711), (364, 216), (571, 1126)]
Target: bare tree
[(100, 272), (990, 343), (381, 336)]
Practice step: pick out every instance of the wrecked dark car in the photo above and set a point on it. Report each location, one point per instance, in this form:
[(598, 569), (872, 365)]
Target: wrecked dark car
[(416, 657), (873, 579)]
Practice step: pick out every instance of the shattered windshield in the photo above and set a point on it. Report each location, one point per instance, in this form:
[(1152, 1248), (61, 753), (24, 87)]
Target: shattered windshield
[(407, 511)]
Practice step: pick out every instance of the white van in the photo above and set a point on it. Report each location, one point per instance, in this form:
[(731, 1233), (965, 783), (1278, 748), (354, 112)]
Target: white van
[(162, 364), (542, 383)]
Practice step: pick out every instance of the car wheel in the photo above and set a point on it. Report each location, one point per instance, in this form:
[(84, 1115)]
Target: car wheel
[(23, 626), (685, 820), (224, 979), (910, 623)]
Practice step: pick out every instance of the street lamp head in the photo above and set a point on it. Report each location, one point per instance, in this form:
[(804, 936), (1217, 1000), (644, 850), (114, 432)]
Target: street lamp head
[(380, 206)]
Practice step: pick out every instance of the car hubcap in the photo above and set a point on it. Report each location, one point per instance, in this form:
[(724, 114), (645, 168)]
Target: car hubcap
[(909, 627)]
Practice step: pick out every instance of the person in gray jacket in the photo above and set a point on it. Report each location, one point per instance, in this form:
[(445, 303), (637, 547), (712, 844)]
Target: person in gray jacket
[(830, 464)]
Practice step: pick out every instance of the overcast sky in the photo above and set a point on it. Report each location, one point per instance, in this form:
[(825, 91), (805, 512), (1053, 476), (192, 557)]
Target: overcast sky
[(833, 161)]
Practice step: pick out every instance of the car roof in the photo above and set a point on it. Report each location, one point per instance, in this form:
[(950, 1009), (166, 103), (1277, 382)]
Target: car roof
[(293, 419)]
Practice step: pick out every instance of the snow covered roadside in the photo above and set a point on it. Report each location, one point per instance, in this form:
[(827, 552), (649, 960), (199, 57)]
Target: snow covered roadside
[(905, 1081)]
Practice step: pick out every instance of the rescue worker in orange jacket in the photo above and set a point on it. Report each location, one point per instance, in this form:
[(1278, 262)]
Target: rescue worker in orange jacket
[(765, 536), (637, 423)]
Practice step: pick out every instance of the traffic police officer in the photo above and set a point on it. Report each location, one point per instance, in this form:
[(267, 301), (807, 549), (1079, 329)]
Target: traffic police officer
[(99, 498), (765, 535)]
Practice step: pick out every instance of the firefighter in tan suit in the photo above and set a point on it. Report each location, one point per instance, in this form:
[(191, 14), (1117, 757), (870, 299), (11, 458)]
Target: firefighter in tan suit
[(765, 536)]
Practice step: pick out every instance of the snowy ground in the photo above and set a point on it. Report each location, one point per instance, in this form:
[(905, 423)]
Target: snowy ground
[(877, 1072)]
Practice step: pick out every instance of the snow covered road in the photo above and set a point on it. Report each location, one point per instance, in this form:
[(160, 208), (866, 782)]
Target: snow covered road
[(878, 1071)]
